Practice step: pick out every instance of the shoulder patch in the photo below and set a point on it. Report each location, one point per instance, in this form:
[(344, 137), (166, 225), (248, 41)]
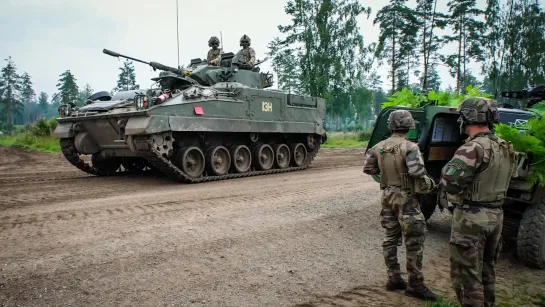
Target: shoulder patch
[(451, 170), (452, 167)]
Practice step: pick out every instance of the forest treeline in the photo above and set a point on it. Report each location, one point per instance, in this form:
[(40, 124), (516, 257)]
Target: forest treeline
[(20, 105), (322, 52)]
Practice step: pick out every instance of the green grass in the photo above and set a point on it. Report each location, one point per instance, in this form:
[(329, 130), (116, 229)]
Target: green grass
[(28, 142), (522, 293), (344, 140), (7, 141), (442, 302)]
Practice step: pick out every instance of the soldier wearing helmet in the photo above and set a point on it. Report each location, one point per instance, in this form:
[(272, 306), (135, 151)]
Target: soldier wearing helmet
[(402, 176), (214, 54), (247, 53), (474, 183)]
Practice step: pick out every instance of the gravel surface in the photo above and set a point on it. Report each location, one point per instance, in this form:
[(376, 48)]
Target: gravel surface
[(307, 238)]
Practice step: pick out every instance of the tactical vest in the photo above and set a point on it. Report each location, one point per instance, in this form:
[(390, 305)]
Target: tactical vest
[(489, 186), (391, 160)]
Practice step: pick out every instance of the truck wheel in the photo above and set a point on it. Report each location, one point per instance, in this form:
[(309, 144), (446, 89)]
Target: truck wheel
[(531, 236), (428, 203)]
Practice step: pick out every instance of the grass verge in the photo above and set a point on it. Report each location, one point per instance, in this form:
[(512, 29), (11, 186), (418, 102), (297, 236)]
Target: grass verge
[(346, 140), (38, 137), (28, 142)]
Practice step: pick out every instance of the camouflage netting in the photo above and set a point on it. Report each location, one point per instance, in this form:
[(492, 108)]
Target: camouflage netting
[(531, 140)]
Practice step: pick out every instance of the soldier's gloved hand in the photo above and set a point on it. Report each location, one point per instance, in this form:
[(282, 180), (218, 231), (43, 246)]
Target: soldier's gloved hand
[(428, 184), (433, 184), (442, 199)]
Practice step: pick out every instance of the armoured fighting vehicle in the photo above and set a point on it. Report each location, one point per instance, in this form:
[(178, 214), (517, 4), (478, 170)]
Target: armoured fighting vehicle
[(438, 135), (199, 124)]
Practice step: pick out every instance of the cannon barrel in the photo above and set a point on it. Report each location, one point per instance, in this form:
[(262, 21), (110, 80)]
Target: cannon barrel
[(160, 66), (154, 65), (115, 54)]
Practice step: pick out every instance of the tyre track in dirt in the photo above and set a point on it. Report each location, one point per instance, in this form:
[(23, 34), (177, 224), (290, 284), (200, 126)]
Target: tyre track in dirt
[(69, 241), (206, 253), (306, 238), (149, 207)]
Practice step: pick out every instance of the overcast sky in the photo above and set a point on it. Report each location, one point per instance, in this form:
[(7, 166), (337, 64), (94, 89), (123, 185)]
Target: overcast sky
[(45, 38)]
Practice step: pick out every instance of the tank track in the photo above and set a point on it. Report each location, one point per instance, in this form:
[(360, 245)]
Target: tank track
[(72, 155), (174, 173)]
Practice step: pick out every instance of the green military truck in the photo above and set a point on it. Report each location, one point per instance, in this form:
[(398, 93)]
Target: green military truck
[(438, 136)]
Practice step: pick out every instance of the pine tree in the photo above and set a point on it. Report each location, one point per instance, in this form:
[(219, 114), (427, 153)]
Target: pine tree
[(28, 95), (433, 81), (325, 38), (430, 21), (524, 59), (68, 88), (42, 103), (397, 40), (10, 92), (468, 33), (127, 79), (84, 94)]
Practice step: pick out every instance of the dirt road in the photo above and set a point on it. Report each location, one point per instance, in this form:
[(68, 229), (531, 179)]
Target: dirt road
[(308, 238)]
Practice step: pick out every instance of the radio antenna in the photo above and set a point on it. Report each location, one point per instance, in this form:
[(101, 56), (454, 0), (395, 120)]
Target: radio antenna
[(177, 34), (221, 41)]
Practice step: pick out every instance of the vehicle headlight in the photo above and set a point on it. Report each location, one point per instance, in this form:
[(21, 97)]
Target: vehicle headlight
[(140, 102)]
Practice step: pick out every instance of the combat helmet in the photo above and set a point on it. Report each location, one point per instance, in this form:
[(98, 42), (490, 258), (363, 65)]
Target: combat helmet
[(478, 110), (245, 40), (213, 41), (400, 120)]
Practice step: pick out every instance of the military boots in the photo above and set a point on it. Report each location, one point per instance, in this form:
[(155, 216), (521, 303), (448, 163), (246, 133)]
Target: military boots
[(396, 283), (420, 291)]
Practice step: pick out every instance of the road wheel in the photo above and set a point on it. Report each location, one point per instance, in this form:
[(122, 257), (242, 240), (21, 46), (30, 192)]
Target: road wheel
[(299, 153), (282, 154), (264, 157), (241, 158), (219, 160), (531, 236), (191, 160)]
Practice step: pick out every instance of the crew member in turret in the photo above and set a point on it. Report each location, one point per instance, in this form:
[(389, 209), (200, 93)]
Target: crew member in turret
[(247, 53), (214, 54)]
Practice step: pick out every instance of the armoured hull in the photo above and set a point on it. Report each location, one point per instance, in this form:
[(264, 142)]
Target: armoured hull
[(227, 130)]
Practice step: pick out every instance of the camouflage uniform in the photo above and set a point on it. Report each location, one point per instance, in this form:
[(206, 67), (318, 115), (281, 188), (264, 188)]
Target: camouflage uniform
[(403, 174), (247, 53), (475, 181), (214, 54)]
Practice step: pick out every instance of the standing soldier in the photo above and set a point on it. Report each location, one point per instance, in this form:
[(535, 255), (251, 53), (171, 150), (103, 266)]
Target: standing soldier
[(214, 54), (402, 175), (475, 181), (247, 52)]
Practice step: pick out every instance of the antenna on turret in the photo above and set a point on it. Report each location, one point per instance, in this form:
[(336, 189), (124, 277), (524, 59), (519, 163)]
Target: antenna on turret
[(177, 35), (221, 41)]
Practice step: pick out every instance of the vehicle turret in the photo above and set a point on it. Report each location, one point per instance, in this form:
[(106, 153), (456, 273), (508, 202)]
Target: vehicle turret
[(200, 73)]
